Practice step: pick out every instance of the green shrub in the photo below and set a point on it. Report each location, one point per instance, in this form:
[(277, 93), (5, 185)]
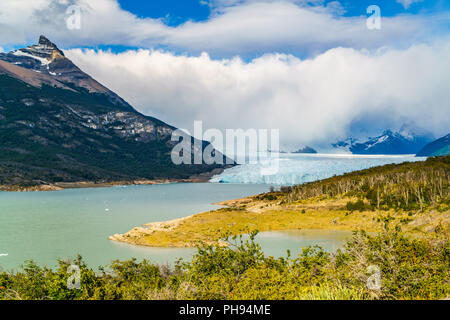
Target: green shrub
[(357, 205), (410, 268)]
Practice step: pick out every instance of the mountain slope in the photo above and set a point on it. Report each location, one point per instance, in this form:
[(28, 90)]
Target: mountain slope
[(439, 147), (57, 124)]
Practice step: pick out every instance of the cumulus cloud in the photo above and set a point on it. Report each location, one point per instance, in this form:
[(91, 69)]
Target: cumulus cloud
[(239, 27), (407, 3), (286, 27), (219, 6), (310, 101), (346, 76), (102, 22)]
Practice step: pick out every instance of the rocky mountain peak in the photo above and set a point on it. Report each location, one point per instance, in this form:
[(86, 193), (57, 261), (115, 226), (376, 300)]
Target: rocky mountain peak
[(51, 67), (45, 48), (48, 47), (37, 57), (43, 41)]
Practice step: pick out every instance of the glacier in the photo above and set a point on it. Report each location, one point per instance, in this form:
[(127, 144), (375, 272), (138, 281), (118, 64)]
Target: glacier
[(301, 168)]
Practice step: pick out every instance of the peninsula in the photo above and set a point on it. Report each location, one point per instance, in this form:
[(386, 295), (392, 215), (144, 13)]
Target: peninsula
[(415, 195)]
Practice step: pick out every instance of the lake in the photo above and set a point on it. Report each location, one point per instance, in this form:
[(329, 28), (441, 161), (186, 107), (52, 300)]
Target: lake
[(45, 226)]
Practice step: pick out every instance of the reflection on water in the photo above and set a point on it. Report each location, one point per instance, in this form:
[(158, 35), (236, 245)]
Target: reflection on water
[(276, 243)]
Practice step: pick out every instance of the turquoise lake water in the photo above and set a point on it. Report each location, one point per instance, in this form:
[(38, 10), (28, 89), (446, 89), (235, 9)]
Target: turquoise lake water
[(44, 226)]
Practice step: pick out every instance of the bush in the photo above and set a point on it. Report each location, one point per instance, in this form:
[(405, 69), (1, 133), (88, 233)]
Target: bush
[(357, 205), (409, 269)]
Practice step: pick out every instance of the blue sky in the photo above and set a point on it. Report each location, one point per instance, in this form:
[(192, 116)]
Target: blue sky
[(224, 28), (176, 12)]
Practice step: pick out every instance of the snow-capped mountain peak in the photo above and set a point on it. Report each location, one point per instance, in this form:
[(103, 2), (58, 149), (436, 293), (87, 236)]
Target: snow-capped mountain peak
[(53, 68), (407, 140), (45, 52)]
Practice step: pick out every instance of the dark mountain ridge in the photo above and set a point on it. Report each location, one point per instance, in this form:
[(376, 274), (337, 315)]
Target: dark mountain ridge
[(439, 147), (57, 124)]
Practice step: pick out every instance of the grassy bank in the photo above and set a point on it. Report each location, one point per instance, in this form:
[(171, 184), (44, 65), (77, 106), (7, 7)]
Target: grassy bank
[(414, 195)]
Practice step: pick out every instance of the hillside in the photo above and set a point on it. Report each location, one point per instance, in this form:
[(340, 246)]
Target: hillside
[(439, 147), (57, 124)]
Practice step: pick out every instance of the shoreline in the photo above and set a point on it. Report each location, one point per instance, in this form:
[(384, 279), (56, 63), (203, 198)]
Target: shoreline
[(353, 201), (240, 216), (59, 186)]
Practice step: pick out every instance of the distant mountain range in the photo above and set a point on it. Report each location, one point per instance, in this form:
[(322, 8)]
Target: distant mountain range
[(305, 149), (408, 140), (439, 147), (58, 124)]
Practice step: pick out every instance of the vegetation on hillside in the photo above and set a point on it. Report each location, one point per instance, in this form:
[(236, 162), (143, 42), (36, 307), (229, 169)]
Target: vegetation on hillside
[(439, 147), (407, 186)]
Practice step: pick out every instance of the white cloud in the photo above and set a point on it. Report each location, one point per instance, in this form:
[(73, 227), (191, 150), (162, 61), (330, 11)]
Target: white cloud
[(310, 100), (219, 6), (407, 3), (283, 26), (246, 27)]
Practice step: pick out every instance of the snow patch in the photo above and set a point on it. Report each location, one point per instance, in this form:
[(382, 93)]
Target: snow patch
[(43, 61), (379, 140)]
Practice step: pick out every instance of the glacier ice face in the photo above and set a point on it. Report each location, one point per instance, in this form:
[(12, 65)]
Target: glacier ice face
[(300, 168)]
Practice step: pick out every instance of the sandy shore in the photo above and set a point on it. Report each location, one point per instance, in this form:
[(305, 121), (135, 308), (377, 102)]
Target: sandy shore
[(148, 229), (245, 214), (253, 213)]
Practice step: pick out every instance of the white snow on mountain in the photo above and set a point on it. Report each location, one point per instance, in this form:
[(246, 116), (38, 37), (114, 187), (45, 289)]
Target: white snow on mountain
[(377, 141), (44, 61)]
